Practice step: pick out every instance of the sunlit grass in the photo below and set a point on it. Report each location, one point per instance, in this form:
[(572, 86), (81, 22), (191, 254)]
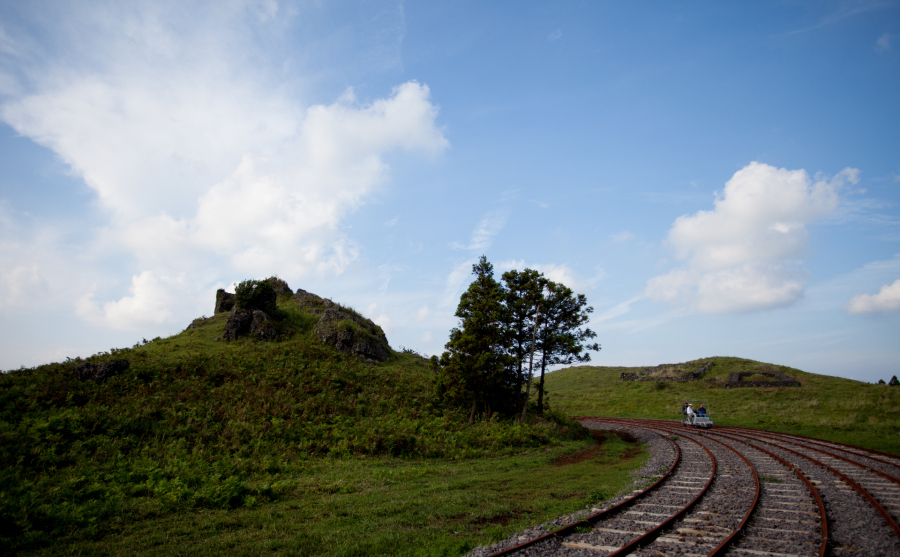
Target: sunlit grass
[(827, 407)]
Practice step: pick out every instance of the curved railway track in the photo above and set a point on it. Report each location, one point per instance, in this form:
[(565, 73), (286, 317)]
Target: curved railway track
[(739, 492)]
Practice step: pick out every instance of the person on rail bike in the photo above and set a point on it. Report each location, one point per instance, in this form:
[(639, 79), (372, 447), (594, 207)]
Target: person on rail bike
[(701, 411), (690, 412)]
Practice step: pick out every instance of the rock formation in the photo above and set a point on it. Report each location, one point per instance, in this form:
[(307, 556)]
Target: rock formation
[(224, 301), (98, 373), (341, 327)]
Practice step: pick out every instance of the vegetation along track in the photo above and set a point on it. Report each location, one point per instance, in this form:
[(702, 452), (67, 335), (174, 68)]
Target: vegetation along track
[(741, 492)]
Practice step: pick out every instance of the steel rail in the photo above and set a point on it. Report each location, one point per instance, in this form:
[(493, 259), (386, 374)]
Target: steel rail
[(648, 537), (567, 529), (889, 455), (818, 442), (823, 518), (722, 547), (888, 477), (860, 489)]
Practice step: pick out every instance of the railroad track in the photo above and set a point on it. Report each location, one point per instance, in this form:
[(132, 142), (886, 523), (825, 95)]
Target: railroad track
[(738, 492)]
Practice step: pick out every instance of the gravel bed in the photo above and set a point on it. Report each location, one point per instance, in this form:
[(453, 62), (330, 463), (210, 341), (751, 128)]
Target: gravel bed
[(608, 534), (855, 527), (876, 462), (718, 513), (771, 528), (661, 457), (883, 490)]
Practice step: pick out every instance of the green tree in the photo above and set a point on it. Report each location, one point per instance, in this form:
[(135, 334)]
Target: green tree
[(561, 340), (476, 365), (523, 293), (893, 382)]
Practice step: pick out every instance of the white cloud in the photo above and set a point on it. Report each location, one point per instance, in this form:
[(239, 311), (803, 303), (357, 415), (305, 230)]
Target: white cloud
[(456, 282), (392, 222), (21, 286), (483, 235), (149, 303), (887, 299), (883, 44), (562, 273), (742, 255), (554, 35), (198, 148), (623, 236), (422, 314)]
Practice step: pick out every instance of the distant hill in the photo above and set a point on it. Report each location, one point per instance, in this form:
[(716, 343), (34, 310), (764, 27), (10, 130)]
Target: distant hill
[(823, 406)]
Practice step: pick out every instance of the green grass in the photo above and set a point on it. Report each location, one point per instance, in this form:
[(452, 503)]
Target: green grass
[(385, 507), (245, 447), (826, 407)]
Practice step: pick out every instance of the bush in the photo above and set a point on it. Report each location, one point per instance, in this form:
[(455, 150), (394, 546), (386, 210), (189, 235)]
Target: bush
[(255, 294)]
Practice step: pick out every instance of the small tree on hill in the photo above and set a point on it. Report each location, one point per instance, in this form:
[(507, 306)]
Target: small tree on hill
[(893, 382)]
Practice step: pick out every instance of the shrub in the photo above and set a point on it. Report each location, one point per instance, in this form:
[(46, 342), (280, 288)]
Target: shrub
[(255, 294)]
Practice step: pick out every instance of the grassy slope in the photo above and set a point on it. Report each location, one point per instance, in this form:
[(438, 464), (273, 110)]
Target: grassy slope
[(245, 447), (826, 407)]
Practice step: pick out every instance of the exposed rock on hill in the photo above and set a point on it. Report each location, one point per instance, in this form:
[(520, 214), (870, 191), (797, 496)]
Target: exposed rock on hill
[(345, 329), (352, 334), (98, 373), (224, 301)]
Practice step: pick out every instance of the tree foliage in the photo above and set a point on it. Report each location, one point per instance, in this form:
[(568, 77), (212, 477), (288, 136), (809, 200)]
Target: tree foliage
[(501, 327)]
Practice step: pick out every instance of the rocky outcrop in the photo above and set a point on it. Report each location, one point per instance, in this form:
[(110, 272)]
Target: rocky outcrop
[(279, 286), (224, 301), (352, 334), (98, 373), (343, 328), (238, 324), (779, 379), (644, 374), (262, 326)]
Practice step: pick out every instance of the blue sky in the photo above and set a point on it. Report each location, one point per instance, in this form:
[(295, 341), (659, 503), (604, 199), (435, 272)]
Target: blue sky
[(717, 178)]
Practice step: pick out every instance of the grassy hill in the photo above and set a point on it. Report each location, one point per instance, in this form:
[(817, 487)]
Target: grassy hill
[(827, 407), (209, 447)]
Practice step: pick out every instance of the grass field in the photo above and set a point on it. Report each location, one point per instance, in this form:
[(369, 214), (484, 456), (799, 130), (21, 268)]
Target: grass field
[(246, 447), (826, 407), (385, 506)]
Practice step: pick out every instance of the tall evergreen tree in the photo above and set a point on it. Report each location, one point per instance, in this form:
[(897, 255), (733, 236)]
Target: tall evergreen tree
[(560, 338), (523, 295), (476, 364)]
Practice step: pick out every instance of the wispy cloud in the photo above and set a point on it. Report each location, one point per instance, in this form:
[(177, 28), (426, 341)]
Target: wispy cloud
[(855, 9), (883, 44), (554, 35), (622, 236), (483, 235), (617, 310)]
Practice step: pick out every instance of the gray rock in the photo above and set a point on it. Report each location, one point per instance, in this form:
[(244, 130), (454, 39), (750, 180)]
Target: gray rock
[(224, 301), (352, 334), (238, 324), (279, 286), (98, 373), (262, 326)]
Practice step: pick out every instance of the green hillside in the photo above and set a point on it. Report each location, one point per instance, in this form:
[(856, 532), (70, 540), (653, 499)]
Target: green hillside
[(203, 446), (827, 407)]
